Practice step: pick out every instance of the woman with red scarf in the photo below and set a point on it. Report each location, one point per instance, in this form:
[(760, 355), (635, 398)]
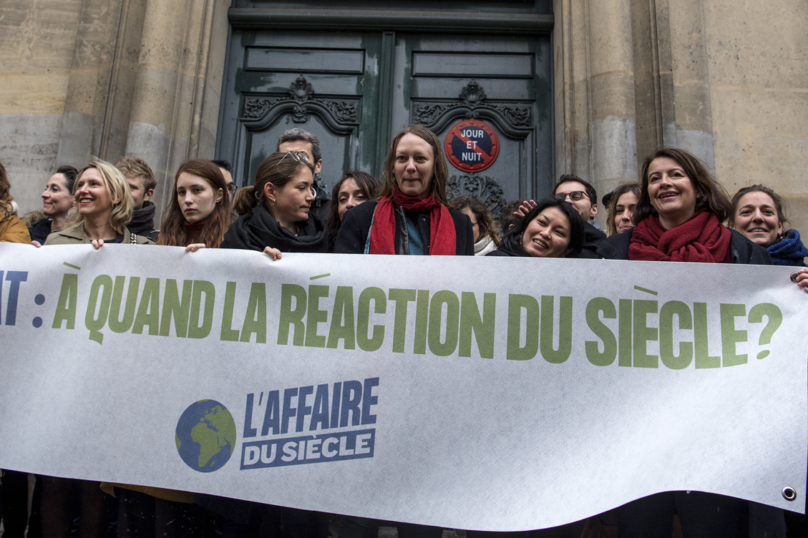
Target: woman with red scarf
[(678, 218), (410, 216)]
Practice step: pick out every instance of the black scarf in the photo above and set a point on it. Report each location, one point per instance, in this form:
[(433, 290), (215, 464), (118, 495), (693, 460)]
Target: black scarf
[(259, 230), (511, 244), (142, 222)]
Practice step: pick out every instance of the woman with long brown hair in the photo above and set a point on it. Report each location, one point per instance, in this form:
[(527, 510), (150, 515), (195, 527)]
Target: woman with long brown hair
[(411, 216), (678, 218), (353, 189), (199, 213)]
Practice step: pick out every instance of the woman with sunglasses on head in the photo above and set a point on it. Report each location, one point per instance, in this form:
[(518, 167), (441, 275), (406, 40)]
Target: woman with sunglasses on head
[(759, 214), (353, 189), (411, 216), (199, 212), (678, 218), (276, 217), (275, 212)]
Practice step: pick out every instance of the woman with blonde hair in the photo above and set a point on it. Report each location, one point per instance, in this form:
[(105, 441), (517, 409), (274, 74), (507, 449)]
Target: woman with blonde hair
[(104, 205)]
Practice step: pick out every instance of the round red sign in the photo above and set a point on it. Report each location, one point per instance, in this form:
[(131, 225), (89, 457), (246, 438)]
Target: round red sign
[(471, 146)]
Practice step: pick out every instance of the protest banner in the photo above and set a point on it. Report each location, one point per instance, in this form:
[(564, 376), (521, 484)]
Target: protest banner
[(492, 394)]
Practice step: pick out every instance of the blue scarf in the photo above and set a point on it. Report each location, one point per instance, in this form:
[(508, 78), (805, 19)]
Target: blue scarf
[(789, 251)]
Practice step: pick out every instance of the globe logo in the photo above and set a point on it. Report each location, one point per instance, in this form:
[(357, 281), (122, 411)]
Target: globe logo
[(206, 436)]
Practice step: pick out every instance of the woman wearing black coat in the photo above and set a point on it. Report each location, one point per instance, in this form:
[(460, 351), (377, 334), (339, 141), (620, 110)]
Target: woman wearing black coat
[(275, 212), (410, 216), (552, 229), (678, 218)]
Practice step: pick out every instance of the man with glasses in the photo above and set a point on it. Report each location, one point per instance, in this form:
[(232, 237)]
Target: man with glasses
[(582, 196), (300, 140)]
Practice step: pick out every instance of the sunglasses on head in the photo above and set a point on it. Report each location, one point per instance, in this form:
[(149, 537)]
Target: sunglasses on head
[(574, 196), (296, 155)]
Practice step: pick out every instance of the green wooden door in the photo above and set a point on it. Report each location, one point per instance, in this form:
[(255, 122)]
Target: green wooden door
[(354, 90), (327, 84)]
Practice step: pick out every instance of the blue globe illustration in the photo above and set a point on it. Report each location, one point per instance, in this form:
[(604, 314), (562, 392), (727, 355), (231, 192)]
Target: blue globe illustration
[(206, 436)]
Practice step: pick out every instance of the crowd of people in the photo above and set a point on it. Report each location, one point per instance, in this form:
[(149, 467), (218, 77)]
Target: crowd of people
[(676, 212)]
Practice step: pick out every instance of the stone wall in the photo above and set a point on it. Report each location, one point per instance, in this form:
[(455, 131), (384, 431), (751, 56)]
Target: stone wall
[(726, 80), (723, 79), (107, 78)]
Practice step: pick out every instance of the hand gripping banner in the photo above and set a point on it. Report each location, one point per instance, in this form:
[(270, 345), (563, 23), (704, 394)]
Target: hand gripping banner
[(492, 394)]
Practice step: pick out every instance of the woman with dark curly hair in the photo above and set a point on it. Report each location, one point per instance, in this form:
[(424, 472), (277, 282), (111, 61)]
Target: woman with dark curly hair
[(353, 189), (552, 229), (483, 227)]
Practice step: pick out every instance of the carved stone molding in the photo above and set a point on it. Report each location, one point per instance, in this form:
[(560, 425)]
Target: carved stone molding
[(485, 188), (301, 103), (471, 105)]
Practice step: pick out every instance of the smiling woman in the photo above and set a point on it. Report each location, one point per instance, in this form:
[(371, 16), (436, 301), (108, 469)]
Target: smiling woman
[(678, 217), (104, 204), (552, 229), (759, 214)]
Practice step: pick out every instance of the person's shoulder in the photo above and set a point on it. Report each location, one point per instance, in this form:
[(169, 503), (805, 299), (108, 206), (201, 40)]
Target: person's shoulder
[(133, 238), (361, 212), (593, 233), (497, 252), (34, 218), (615, 247), (69, 236), (744, 251), (12, 230)]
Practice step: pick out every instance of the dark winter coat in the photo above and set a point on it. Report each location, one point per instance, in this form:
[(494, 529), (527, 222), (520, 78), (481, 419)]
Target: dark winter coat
[(353, 234), (742, 250), (258, 230)]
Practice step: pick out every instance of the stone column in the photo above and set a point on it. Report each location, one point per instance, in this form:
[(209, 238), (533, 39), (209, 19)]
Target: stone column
[(684, 78), (175, 106), (612, 106)]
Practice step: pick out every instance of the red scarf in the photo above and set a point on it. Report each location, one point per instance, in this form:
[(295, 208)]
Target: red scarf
[(194, 230), (442, 237), (702, 238)]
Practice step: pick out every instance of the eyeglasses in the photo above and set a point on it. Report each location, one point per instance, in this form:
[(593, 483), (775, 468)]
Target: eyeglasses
[(574, 195), (232, 188), (296, 155)]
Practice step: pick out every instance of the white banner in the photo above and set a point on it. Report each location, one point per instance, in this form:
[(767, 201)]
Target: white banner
[(493, 394)]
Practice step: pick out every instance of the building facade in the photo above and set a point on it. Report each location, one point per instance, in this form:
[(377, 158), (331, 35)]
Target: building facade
[(588, 87)]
